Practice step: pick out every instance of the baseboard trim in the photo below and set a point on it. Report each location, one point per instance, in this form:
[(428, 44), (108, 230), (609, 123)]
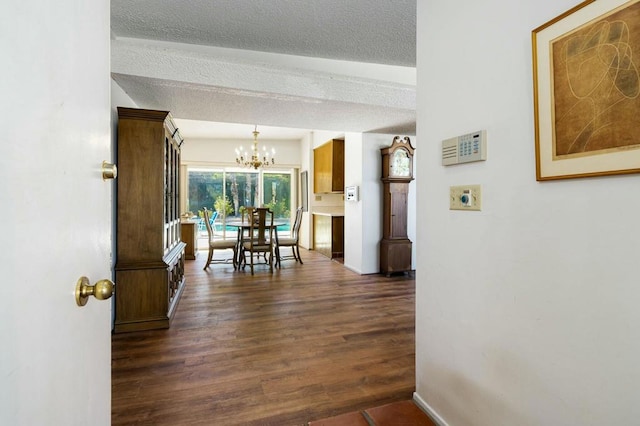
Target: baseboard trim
[(351, 268), (427, 409)]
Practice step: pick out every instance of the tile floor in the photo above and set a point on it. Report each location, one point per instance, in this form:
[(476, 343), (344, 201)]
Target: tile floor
[(403, 413)]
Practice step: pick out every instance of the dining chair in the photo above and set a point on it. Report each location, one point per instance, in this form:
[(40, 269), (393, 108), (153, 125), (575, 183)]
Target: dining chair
[(259, 240), (290, 241), (218, 244), (247, 212)]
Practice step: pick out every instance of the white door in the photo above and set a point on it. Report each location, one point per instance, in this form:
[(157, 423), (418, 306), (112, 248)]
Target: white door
[(55, 212)]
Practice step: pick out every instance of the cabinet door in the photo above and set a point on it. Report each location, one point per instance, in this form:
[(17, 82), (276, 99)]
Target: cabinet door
[(337, 166), (322, 163), (322, 235), (328, 235), (171, 192), (328, 167), (397, 199), (337, 236)]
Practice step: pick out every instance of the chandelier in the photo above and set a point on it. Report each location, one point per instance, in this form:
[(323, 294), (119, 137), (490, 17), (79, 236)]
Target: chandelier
[(256, 161)]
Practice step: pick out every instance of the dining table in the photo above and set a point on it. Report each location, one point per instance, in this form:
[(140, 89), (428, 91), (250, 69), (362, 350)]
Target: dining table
[(244, 226)]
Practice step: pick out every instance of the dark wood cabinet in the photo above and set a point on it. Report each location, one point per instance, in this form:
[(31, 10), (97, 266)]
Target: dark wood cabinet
[(328, 167), (149, 252), (397, 173), (328, 235)]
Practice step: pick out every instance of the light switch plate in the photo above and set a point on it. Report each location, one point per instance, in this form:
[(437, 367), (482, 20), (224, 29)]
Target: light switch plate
[(465, 197)]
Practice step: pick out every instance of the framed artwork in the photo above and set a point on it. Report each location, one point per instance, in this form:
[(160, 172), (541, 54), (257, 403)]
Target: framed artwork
[(304, 190), (586, 78)]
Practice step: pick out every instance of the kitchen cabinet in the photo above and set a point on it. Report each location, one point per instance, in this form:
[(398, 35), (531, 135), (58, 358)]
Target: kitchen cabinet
[(328, 234), (328, 167)]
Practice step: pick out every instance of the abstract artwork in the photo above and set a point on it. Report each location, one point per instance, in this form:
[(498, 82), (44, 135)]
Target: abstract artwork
[(587, 91)]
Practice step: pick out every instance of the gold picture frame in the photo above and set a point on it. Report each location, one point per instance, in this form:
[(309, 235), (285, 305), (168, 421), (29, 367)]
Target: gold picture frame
[(586, 75)]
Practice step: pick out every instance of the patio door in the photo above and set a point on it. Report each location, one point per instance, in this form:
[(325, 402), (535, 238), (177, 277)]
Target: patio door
[(229, 191), (277, 195)]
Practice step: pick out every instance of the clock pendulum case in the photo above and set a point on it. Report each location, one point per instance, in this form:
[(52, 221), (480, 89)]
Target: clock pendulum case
[(397, 173)]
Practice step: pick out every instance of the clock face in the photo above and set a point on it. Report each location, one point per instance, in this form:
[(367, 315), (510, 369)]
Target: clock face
[(400, 164)]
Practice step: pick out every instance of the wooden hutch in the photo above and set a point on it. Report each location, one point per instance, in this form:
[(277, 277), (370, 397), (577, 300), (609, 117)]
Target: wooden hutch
[(149, 252)]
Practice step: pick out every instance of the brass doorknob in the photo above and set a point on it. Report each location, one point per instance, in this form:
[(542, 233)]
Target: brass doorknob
[(109, 171), (102, 290)]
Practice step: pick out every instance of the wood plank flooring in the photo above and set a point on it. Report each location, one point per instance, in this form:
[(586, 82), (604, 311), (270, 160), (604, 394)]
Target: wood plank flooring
[(405, 413), (308, 342)]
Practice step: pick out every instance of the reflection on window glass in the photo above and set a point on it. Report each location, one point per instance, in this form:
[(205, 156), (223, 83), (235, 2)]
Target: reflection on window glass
[(205, 186), (242, 191), (277, 194)]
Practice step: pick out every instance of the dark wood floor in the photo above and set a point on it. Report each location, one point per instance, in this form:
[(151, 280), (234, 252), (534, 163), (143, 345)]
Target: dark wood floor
[(401, 413), (308, 342)]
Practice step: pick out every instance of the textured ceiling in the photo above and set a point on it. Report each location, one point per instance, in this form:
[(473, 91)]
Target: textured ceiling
[(249, 61)]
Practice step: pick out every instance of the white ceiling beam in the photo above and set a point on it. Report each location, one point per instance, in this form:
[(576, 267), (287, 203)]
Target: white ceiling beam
[(203, 66)]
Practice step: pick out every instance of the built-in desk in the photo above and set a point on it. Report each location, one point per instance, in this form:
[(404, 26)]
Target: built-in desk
[(328, 232)]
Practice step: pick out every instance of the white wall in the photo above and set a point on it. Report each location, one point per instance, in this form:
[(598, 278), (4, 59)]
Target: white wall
[(305, 165), (354, 218), (119, 98), (526, 312), (222, 151)]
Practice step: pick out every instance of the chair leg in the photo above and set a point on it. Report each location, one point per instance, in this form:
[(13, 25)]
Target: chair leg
[(296, 251), (206, 265), (235, 259)]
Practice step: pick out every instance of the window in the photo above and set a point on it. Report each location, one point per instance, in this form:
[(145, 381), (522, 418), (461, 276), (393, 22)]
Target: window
[(205, 187), (228, 191), (277, 193)]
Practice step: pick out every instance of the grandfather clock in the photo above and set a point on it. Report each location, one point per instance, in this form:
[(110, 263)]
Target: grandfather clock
[(397, 173)]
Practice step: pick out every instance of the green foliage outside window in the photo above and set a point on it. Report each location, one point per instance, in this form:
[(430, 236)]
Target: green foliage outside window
[(229, 192), (277, 193), (279, 208), (204, 188), (223, 206)]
